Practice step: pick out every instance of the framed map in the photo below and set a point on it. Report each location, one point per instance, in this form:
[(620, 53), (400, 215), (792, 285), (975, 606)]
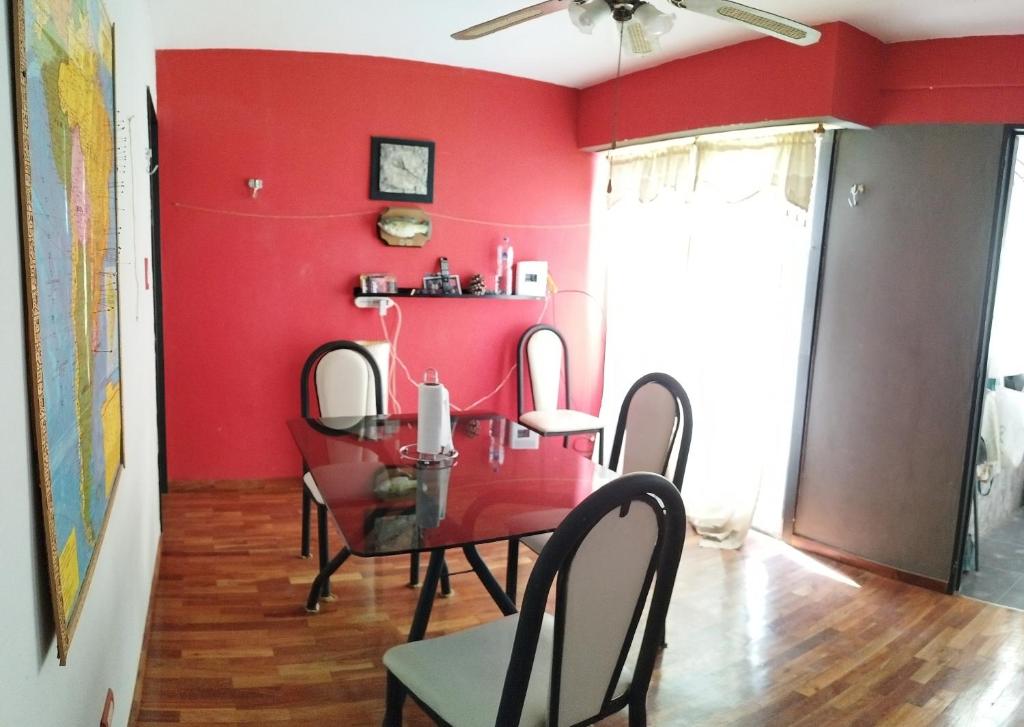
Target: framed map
[(64, 56)]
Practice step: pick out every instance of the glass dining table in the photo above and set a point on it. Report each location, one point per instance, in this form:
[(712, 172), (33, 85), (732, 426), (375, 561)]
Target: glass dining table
[(505, 483)]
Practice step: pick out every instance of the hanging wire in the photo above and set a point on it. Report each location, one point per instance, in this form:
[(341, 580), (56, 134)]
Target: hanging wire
[(616, 103)]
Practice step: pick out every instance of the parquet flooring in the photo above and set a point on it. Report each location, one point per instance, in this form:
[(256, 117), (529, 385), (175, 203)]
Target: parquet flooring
[(764, 636)]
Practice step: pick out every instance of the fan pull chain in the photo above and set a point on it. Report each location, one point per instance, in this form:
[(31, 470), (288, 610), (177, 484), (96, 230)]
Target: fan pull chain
[(615, 108)]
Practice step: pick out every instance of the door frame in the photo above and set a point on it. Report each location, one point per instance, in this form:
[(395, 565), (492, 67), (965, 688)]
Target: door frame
[(1012, 136), (152, 125), (820, 213)]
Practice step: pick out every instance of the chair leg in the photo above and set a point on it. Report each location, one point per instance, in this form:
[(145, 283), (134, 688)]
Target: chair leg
[(321, 534), (395, 699), (414, 570), (512, 569), (638, 714), (306, 500), (446, 584), (313, 600), (600, 446)]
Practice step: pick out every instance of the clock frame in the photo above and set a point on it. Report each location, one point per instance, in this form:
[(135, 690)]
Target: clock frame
[(401, 170)]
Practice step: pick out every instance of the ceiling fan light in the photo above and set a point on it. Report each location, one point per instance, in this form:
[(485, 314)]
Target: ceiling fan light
[(586, 15), (654, 21)]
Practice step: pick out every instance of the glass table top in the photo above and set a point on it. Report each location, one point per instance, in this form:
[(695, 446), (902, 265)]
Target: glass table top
[(505, 482)]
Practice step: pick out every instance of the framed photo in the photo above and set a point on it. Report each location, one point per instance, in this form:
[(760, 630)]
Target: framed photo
[(401, 169), (441, 285)]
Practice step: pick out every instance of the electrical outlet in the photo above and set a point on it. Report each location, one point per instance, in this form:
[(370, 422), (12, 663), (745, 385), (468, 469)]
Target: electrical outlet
[(107, 718)]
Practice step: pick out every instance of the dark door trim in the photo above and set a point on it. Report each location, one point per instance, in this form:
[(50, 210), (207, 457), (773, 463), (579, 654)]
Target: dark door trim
[(158, 315), (1010, 140)]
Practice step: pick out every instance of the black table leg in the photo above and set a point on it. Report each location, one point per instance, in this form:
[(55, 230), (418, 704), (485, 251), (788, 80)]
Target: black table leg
[(321, 537), (512, 574), (487, 578), (306, 500), (414, 570), (313, 600), (446, 586), (426, 600)]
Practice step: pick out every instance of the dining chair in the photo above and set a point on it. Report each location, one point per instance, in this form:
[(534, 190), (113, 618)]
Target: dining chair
[(346, 381), (654, 416), (570, 668), (543, 351)]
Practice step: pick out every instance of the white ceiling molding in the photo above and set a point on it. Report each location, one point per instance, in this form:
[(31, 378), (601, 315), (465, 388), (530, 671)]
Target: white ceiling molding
[(546, 49)]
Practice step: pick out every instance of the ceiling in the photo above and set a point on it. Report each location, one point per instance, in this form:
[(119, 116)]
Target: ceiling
[(546, 49)]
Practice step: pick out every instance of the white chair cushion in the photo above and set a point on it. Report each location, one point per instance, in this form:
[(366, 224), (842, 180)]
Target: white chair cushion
[(560, 420), (532, 521), (649, 425), (460, 676), (344, 384), (545, 354), (313, 489)]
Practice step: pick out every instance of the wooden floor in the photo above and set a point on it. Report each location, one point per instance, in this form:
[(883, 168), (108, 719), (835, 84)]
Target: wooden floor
[(765, 636)]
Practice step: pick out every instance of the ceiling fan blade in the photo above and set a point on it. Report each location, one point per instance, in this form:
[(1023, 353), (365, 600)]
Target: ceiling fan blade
[(514, 18), (639, 40), (754, 19)]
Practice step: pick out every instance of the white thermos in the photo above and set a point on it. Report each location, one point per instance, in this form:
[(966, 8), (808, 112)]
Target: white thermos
[(433, 419)]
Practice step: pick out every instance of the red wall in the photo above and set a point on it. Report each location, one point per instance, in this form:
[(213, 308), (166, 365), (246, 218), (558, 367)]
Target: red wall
[(254, 285), (250, 289), (954, 80), (848, 75)]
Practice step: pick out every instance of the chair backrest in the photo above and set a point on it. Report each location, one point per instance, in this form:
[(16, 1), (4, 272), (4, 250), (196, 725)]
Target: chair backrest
[(605, 556), (542, 349), (655, 413), (346, 378)]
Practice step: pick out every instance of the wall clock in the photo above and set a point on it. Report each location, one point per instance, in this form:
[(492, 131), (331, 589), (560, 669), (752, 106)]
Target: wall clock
[(401, 169)]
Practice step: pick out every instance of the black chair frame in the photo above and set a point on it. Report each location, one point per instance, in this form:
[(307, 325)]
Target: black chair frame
[(555, 562), (684, 422), (521, 361), (305, 407)]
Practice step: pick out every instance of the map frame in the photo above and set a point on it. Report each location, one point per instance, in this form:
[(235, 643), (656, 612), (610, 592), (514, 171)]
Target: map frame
[(68, 601)]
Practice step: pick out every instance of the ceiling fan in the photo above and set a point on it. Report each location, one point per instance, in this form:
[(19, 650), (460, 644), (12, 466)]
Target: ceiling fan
[(642, 23)]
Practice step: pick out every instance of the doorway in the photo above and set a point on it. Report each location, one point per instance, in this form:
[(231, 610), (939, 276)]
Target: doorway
[(158, 307), (709, 243), (993, 561)]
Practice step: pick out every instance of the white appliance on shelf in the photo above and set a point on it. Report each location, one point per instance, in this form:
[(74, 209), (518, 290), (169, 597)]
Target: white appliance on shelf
[(520, 437), (532, 278)]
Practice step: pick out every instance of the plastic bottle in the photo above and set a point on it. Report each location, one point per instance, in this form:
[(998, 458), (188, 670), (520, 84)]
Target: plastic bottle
[(503, 280), (496, 450)]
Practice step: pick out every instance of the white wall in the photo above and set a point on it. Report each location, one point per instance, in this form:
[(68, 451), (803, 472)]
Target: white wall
[(34, 690)]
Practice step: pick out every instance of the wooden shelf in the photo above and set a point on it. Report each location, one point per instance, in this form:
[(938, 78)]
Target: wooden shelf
[(417, 293)]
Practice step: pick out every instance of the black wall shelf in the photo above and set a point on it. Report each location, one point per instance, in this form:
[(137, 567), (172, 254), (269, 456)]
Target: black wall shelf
[(417, 293)]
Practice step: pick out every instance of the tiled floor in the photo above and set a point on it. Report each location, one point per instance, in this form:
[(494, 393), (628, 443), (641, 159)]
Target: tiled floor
[(1001, 577)]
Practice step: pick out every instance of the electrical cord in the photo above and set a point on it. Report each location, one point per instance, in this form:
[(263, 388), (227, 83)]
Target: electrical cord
[(394, 358)]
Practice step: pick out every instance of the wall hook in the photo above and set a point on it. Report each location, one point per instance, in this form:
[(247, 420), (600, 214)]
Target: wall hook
[(255, 185), (855, 194)]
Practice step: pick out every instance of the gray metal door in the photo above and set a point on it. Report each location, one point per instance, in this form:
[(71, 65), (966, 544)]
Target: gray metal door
[(901, 310)]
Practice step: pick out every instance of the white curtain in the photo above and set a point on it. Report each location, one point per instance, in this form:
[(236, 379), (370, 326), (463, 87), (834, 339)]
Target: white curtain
[(707, 245)]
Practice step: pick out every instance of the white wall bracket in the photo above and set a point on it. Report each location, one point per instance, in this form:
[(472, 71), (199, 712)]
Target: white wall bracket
[(380, 302)]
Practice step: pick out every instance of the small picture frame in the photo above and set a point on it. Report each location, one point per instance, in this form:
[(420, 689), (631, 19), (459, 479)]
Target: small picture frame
[(378, 283), (441, 285), (401, 170)]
